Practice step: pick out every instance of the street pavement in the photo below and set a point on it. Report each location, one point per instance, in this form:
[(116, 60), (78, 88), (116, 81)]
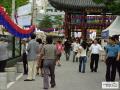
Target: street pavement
[(67, 78)]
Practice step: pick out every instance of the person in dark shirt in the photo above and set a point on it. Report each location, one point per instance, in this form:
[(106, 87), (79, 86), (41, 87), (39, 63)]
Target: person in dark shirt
[(67, 48), (24, 56)]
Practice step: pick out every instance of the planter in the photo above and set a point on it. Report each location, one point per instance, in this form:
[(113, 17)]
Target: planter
[(11, 74), (3, 81), (20, 67)]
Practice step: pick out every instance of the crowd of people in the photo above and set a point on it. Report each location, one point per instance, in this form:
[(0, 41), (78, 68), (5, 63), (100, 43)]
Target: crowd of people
[(82, 49), (80, 53), (41, 58)]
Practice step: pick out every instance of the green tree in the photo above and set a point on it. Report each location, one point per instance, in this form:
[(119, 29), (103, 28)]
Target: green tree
[(98, 1), (8, 4), (21, 2), (45, 23), (112, 6), (58, 20)]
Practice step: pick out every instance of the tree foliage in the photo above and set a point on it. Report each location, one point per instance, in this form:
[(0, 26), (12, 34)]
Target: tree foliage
[(58, 20), (51, 21), (8, 4), (98, 1), (45, 23), (21, 2), (112, 5)]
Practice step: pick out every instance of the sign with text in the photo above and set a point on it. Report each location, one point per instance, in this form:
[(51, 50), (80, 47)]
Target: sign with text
[(110, 85)]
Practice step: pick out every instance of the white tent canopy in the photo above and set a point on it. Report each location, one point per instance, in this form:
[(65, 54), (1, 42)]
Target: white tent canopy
[(114, 28)]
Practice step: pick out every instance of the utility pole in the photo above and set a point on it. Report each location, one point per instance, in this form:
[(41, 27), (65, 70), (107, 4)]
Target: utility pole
[(13, 18), (34, 11)]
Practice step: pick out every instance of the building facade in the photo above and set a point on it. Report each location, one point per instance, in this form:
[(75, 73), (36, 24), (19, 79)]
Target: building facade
[(49, 10), (82, 16)]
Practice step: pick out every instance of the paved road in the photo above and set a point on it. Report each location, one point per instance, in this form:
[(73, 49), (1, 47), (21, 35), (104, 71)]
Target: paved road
[(67, 78)]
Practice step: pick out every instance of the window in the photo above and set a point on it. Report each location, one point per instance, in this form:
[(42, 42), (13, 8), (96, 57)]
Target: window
[(14, 46)]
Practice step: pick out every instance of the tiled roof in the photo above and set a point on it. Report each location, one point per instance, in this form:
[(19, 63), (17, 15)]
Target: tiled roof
[(76, 4)]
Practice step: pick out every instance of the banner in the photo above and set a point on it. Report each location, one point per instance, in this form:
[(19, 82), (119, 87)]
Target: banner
[(105, 34), (24, 10), (24, 20)]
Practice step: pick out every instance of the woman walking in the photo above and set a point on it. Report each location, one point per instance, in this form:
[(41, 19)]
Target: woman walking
[(83, 56), (59, 49)]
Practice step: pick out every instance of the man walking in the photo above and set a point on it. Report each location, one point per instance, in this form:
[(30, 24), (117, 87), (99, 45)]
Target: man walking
[(118, 59), (112, 52), (32, 55), (49, 53), (95, 49)]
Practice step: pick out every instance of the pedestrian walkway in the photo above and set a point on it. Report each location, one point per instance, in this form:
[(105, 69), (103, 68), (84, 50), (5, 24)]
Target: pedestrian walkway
[(67, 78)]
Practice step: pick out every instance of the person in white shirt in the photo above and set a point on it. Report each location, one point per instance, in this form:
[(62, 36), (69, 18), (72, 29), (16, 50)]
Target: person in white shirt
[(95, 49), (75, 46), (83, 56)]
